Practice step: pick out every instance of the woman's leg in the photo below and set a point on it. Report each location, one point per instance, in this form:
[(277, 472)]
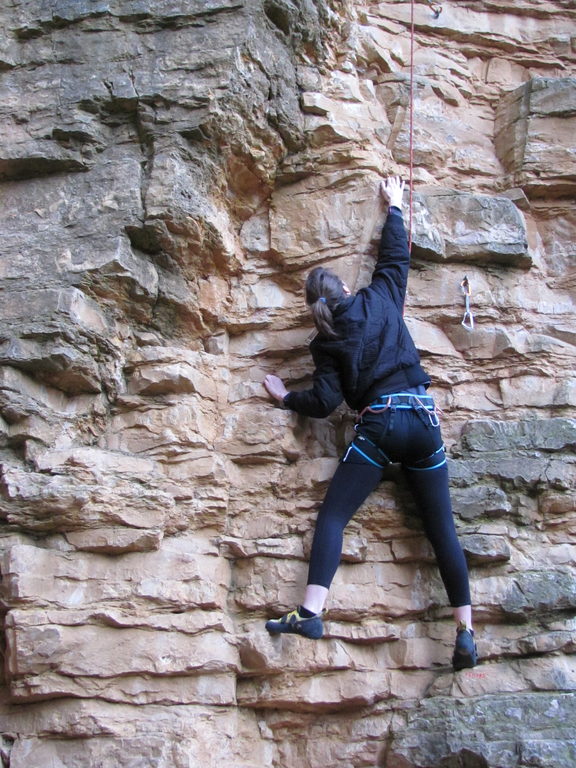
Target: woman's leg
[(463, 615), (431, 493), (351, 485), (315, 598), (428, 480)]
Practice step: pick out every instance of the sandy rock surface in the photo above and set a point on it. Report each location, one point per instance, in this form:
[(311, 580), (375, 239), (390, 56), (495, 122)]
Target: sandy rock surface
[(169, 172)]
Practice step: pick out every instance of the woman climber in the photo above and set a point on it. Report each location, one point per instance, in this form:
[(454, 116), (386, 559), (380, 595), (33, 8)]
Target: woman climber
[(364, 354)]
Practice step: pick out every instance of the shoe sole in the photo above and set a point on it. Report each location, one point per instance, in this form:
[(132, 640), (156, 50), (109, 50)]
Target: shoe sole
[(289, 629), (464, 661)]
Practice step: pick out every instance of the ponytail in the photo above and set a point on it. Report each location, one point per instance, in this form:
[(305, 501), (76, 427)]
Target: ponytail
[(323, 318), (324, 291)]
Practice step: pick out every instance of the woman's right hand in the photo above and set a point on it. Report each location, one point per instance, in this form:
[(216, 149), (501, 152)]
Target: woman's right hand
[(275, 387), (392, 190)]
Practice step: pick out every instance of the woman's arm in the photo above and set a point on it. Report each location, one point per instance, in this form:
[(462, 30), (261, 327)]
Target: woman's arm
[(320, 400), (391, 271)]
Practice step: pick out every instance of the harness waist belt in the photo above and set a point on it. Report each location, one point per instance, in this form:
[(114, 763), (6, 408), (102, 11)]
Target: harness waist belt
[(404, 400)]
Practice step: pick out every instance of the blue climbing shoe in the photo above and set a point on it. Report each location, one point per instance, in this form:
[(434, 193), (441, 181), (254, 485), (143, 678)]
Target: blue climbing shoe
[(296, 624), (465, 653)]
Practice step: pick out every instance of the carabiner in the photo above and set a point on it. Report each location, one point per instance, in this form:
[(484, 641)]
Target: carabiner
[(468, 319)]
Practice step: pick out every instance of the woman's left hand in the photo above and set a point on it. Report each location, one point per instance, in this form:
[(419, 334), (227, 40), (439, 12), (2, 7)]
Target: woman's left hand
[(275, 387)]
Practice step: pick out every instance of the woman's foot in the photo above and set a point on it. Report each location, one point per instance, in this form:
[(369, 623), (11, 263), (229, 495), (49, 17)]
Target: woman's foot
[(298, 624), (465, 653)]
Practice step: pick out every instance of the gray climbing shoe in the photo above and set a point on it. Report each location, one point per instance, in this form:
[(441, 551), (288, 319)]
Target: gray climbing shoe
[(465, 653), (296, 624)]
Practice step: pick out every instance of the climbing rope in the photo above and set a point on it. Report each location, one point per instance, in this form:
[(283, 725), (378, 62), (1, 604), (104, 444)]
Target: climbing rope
[(437, 10), (411, 126)]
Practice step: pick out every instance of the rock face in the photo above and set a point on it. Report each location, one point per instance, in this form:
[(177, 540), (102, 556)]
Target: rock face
[(169, 173), (534, 136)]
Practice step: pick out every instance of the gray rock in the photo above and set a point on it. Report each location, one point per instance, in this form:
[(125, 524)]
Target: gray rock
[(461, 227), (481, 549), (529, 473), (56, 362), (540, 593), (557, 434), (480, 501), (499, 731)]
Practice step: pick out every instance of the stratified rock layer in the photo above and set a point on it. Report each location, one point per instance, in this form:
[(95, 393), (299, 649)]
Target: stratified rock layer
[(169, 174)]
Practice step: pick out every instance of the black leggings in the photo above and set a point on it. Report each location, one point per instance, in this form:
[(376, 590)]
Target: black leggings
[(410, 436)]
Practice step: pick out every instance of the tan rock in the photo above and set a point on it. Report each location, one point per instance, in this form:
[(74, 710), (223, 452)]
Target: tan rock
[(346, 220), (95, 463), (44, 502), (212, 689), (534, 129), (71, 723), (251, 440), (114, 540), (417, 653), (169, 577), (93, 651), (186, 424), (536, 390), (168, 179), (161, 371), (429, 339), (321, 693)]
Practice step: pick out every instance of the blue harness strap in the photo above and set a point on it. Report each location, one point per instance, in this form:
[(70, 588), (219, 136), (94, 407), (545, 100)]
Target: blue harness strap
[(369, 451), (431, 461)]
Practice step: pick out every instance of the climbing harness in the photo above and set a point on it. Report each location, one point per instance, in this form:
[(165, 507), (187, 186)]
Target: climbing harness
[(468, 319), (438, 454), (404, 401), (425, 409), (368, 450)]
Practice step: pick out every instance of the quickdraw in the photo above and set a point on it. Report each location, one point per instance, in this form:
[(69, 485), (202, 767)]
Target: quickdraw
[(468, 319), (411, 128), (436, 8)]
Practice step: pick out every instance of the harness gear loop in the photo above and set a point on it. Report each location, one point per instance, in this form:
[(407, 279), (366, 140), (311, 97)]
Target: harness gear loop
[(369, 409), (468, 319)]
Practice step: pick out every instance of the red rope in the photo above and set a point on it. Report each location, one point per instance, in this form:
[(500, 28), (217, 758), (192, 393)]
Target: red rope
[(411, 121)]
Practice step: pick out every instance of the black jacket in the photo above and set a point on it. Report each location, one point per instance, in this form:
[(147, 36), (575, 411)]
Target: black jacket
[(374, 353)]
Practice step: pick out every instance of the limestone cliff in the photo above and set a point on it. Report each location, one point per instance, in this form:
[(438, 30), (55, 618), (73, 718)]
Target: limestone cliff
[(169, 172)]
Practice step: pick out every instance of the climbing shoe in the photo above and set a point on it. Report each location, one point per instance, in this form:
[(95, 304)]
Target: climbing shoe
[(296, 624), (465, 653)]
